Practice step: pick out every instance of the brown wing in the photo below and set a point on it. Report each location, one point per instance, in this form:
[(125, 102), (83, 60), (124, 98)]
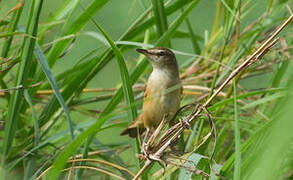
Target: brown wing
[(146, 92), (135, 127)]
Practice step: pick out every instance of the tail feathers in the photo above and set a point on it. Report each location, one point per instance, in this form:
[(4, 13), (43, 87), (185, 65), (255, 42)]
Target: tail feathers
[(132, 131), (135, 127)]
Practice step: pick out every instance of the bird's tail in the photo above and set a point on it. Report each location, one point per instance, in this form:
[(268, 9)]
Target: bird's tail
[(134, 128)]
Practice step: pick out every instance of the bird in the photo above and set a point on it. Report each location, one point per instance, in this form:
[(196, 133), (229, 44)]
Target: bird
[(162, 94)]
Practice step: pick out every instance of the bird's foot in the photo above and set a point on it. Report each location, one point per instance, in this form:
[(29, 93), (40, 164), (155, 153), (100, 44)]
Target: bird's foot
[(157, 158), (145, 149), (185, 123)]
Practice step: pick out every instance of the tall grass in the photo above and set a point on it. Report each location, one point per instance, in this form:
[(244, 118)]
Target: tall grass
[(51, 117)]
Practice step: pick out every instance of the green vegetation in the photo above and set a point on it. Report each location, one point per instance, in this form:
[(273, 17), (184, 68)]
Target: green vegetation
[(67, 69)]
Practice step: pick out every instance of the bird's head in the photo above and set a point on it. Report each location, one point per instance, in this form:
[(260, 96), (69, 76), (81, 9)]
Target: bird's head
[(160, 57)]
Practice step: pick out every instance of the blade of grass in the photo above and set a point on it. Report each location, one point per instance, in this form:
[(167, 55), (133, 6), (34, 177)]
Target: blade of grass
[(254, 142), (221, 140), (65, 9), (217, 18), (78, 67), (279, 74), (153, 36), (160, 16), (176, 23), (269, 5), (11, 29), (243, 96), (31, 164), (34, 117), (193, 38), (6, 35), (228, 29), (30, 167), (67, 93), (272, 153), (51, 140), (249, 147), (76, 84), (230, 19), (75, 27), (148, 23), (71, 148), (240, 52), (264, 100), (58, 49), (23, 72), (4, 22), (46, 69), (72, 87), (126, 85), (7, 43)]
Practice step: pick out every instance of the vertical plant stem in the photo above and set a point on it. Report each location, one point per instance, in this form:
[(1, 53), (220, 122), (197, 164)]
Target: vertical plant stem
[(11, 28), (217, 19), (23, 72), (193, 38), (237, 164), (7, 44), (160, 18), (31, 164)]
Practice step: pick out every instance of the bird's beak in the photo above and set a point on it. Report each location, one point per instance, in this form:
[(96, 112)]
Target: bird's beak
[(142, 51), (147, 53)]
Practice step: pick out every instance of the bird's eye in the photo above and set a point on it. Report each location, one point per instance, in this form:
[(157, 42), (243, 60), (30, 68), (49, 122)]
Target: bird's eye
[(161, 53)]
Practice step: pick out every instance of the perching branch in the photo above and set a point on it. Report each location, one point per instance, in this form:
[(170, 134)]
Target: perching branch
[(175, 131)]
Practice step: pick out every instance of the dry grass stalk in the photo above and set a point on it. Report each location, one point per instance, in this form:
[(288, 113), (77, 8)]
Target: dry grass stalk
[(175, 131)]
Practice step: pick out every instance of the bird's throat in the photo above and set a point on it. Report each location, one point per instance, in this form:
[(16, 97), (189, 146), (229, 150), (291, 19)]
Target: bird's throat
[(161, 79)]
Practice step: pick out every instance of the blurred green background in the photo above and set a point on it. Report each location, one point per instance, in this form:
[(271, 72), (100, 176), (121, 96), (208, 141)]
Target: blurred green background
[(115, 17)]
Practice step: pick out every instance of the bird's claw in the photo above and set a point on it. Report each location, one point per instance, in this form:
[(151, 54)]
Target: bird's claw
[(184, 122), (160, 161), (145, 149)]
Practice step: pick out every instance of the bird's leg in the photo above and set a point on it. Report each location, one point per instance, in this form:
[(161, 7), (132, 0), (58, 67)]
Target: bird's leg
[(158, 130), (185, 123), (138, 137), (144, 148), (161, 162)]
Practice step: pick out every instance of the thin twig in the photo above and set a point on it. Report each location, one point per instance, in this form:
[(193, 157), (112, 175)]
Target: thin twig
[(20, 87)]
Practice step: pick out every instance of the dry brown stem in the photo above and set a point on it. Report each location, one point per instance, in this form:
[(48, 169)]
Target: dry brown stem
[(175, 131)]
